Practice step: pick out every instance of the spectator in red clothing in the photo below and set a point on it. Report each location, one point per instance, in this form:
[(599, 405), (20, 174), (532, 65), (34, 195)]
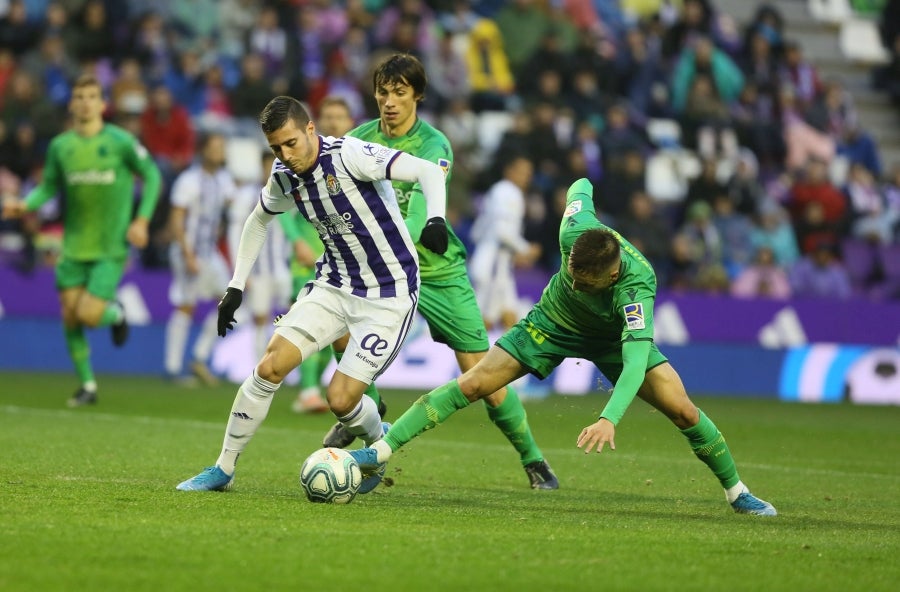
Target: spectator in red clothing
[(167, 132), (829, 212)]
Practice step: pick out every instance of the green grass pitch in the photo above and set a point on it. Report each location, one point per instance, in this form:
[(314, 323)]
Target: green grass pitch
[(88, 502)]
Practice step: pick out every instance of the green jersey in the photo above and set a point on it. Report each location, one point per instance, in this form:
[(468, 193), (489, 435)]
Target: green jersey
[(624, 312), (428, 143), (96, 177)]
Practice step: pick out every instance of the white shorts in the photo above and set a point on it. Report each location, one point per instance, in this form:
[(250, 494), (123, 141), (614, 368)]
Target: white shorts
[(267, 293), (377, 327), (208, 284)]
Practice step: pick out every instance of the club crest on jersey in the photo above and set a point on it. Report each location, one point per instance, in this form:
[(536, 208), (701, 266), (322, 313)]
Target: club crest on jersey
[(573, 208), (634, 315), (444, 164), (332, 184)]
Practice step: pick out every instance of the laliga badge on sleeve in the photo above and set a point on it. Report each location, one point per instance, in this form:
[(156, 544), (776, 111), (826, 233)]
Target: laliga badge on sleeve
[(573, 208), (634, 315)]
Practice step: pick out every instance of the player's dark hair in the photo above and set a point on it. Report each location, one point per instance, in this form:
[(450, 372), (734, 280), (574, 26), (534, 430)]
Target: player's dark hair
[(594, 252), (87, 80), (401, 67), (281, 109)]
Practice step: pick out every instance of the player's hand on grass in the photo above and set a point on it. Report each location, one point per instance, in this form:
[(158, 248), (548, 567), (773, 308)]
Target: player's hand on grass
[(435, 237), (228, 305), (598, 434), (12, 208), (138, 234)]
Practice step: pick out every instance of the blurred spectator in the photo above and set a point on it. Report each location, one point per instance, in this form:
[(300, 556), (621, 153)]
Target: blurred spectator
[(705, 240), (736, 233), (199, 20), (492, 80), (25, 102), (269, 41), (775, 232), (706, 186), (802, 141), (215, 111), (253, 90), (236, 19), (150, 44), (185, 81), (548, 57), (92, 37), (335, 118), (167, 132), (406, 26), (647, 230), (801, 75), (643, 80), (703, 58), (458, 18), (521, 25), (460, 125), (891, 190), (129, 94), (20, 152), (744, 188), (818, 209), (820, 274), (618, 138), (695, 20), (835, 114), (763, 278), (769, 23), (448, 75), (618, 184), (17, 33), (872, 220), (706, 122), (758, 127), (52, 67), (589, 154)]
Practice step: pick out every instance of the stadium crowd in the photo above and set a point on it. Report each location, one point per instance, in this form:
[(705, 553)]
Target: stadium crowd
[(714, 146)]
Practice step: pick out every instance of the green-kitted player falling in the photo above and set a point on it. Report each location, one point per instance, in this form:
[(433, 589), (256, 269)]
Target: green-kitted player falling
[(599, 307)]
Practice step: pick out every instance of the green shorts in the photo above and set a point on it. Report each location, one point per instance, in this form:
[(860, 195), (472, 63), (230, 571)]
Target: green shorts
[(541, 345), (452, 313), (100, 277)]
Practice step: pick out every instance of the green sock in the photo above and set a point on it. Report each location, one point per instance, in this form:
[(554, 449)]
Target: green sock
[(372, 391), (112, 314), (427, 412), (709, 445), (511, 419), (80, 352)]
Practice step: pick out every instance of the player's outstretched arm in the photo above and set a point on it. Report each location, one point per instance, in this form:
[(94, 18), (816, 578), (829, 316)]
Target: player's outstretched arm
[(256, 228), (435, 236)]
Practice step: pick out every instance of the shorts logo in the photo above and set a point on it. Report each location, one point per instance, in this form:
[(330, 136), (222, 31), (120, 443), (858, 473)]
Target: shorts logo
[(374, 344), (573, 208), (634, 315), (332, 185)]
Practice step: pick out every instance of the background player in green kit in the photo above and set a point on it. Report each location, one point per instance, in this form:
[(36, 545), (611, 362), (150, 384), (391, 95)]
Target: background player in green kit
[(599, 306), (92, 166), (446, 300)]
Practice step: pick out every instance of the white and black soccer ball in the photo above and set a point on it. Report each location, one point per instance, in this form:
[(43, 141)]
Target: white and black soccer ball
[(330, 476)]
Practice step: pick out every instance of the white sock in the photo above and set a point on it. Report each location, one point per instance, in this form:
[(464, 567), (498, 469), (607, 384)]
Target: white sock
[(250, 408), (364, 421), (177, 330), (384, 451), (735, 490), (206, 339), (90, 386)]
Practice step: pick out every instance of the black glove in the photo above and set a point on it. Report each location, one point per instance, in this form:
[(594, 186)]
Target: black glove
[(434, 236), (228, 305)]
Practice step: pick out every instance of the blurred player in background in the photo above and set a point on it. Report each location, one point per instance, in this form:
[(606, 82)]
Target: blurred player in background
[(599, 306), (447, 300), (269, 288), (367, 282), (200, 197), (92, 166), (500, 244)]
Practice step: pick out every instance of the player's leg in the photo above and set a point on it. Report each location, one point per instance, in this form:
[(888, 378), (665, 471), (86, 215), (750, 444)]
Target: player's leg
[(663, 389), (493, 371), (208, 285), (250, 408), (309, 399), (451, 310), (337, 436), (78, 347), (182, 296)]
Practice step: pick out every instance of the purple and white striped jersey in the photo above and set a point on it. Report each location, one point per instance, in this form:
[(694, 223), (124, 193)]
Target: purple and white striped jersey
[(347, 196)]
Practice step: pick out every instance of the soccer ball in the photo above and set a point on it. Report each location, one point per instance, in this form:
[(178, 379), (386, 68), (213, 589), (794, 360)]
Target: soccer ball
[(330, 476)]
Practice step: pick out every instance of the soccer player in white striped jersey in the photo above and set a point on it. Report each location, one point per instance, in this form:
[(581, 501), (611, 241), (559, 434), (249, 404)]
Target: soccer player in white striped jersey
[(366, 283)]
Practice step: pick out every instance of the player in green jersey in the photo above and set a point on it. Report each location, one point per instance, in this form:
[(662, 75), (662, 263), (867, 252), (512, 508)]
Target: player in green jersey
[(599, 306), (446, 298), (93, 166)]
